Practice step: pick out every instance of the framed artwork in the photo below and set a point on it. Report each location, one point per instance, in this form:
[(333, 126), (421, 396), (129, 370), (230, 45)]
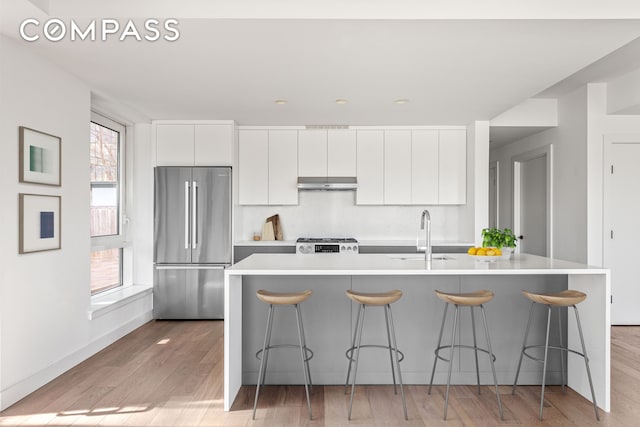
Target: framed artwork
[(40, 161), (40, 223)]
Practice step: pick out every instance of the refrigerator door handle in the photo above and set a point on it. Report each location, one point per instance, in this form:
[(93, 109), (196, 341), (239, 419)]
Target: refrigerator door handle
[(186, 215), (194, 216)]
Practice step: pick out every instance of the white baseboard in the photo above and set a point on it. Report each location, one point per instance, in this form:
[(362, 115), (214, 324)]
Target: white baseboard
[(23, 388)]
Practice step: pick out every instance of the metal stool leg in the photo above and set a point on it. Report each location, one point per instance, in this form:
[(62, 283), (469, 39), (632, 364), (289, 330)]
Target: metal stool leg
[(304, 343), (453, 340), (353, 344), (303, 355), (435, 360), (265, 351), (524, 343), (493, 368), (544, 366), (475, 346), (586, 362), (562, 352), (393, 375), (355, 368), (389, 319)]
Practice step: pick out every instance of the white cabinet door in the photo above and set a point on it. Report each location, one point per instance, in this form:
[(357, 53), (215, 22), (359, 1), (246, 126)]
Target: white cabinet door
[(424, 167), (341, 152), (174, 145), (283, 167), (397, 167), (370, 167), (312, 153), (452, 182), (253, 165), (213, 145)]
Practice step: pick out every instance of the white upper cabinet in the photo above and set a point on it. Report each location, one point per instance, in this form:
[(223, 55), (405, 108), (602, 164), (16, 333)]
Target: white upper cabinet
[(253, 167), (174, 145), (370, 167), (341, 152), (283, 167), (424, 167), (312, 152), (194, 144), (397, 167), (452, 182), (213, 145)]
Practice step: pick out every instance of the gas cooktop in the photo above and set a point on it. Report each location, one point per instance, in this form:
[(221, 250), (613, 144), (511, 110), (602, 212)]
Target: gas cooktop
[(316, 245)]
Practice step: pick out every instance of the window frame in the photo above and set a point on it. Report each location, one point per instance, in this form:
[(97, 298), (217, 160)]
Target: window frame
[(115, 241)]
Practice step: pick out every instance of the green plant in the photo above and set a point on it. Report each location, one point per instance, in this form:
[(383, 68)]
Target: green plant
[(495, 237)]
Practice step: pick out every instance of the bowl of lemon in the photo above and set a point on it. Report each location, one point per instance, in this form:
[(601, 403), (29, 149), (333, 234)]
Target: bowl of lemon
[(488, 254)]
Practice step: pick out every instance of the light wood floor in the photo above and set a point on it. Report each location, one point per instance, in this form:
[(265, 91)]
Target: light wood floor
[(170, 374)]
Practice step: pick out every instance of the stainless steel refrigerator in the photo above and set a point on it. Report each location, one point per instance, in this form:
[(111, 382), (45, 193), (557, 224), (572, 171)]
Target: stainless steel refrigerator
[(192, 241)]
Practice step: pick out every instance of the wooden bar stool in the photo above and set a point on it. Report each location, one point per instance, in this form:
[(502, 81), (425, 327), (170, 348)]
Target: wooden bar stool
[(568, 298), (471, 300), (279, 299), (384, 299)]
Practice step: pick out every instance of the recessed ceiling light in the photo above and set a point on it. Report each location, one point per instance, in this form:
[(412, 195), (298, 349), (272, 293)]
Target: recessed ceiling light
[(341, 101), (401, 101), (280, 101)]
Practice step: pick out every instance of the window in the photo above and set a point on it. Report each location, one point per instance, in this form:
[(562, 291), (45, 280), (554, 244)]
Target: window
[(106, 139)]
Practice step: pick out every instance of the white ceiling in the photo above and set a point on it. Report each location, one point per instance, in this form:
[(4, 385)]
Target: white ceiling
[(453, 71)]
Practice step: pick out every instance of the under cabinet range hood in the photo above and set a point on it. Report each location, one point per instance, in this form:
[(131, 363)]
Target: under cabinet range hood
[(330, 183)]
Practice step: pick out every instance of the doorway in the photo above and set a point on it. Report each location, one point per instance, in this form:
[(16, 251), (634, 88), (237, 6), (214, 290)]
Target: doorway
[(532, 202), (620, 226)]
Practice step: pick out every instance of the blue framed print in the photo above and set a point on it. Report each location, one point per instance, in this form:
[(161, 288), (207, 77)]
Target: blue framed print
[(39, 223)]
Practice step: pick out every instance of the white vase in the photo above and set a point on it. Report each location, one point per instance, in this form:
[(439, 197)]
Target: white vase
[(507, 252)]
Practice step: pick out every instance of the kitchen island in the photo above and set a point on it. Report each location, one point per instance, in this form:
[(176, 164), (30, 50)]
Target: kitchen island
[(329, 316)]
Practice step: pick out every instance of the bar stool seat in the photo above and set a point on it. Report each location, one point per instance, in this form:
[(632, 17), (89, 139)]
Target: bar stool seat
[(471, 300), (466, 299), (283, 299), (380, 299), (566, 298), (559, 299)]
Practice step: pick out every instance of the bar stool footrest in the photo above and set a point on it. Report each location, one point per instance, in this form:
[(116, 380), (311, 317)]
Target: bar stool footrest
[(308, 352), (349, 352), (470, 347), (551, 347)]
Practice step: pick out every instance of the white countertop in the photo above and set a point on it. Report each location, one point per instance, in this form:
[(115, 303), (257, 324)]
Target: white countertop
[(392, 264), (360, 242)]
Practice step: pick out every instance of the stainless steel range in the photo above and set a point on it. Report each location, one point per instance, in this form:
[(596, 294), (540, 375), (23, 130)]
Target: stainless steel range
[(314, 245)]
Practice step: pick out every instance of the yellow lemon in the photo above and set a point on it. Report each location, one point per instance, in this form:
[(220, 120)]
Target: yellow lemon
[(498, 252), (472, 251), (481, 251), (491, 252)]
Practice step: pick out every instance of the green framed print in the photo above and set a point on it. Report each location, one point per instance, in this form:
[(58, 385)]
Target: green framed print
[(39, 223), (40, 160)]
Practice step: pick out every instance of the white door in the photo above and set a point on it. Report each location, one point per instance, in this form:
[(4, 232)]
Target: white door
[(493, 194), (621, 229), (532, 201)]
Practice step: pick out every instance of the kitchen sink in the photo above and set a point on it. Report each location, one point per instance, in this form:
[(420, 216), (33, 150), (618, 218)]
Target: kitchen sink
[(418, 257)]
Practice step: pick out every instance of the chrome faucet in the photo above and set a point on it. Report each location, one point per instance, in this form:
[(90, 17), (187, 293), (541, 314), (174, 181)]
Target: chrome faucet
[(425, 224)]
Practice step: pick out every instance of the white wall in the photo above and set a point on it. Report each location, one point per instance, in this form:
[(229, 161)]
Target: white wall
[(45, 296), (474, 216), (335, 214), (569, 141), (600, 124), (141, 215)]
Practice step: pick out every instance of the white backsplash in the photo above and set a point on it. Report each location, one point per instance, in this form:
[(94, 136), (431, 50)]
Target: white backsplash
[(335, 214)]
